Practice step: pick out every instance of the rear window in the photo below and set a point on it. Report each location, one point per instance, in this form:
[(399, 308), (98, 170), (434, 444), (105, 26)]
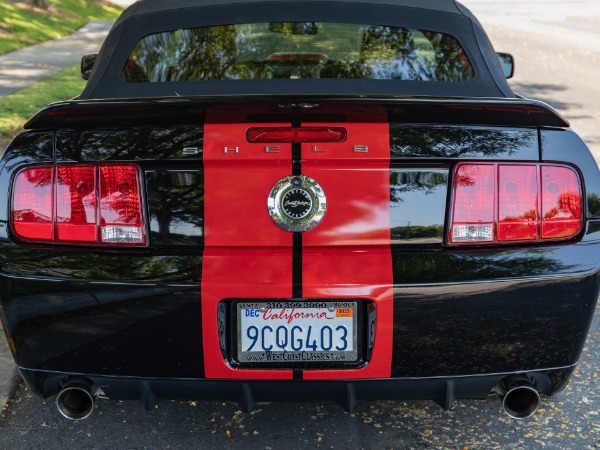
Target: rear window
[(296, 50)]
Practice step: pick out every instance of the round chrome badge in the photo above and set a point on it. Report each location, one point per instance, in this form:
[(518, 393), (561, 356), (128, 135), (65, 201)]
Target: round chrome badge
[(297, 203)]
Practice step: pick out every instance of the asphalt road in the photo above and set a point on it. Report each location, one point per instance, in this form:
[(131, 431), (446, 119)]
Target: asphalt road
[(556, 45)]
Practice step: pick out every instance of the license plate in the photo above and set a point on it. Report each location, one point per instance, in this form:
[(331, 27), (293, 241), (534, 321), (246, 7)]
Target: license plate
[(297, 332)]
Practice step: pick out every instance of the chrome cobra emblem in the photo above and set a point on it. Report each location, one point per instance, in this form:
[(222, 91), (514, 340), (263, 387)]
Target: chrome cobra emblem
[(297, 203)]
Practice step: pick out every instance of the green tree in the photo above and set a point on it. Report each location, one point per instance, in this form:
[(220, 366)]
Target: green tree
[(38, 3)]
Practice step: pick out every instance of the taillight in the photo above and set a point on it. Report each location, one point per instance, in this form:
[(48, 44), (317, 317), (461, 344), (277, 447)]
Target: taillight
[(473, 204), (561, 203), (120, 205), (518, 217), (75, 200), (503, 202), (32, 204), (94, 204)]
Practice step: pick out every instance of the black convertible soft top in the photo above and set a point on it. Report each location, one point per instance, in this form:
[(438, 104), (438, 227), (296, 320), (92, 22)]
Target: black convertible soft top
[(153, 16), (146, 6)]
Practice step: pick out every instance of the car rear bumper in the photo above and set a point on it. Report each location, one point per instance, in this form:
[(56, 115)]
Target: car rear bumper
[(436, 329), (348, 393)]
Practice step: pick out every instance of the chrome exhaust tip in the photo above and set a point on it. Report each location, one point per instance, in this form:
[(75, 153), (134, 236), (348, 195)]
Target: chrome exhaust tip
[(76, 399), (520, 399)]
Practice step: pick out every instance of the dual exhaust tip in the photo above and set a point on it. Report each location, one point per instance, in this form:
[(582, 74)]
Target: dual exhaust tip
[(520, 398), (77, 397)]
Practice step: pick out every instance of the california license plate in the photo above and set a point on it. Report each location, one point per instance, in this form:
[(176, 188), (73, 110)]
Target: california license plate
[(297, 332)]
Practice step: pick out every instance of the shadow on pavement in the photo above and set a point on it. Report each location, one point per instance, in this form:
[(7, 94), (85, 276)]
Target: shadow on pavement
[(546, 93)]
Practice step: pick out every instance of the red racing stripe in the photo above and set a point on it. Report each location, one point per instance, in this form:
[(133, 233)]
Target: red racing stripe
[(245, 254), (348, 254)]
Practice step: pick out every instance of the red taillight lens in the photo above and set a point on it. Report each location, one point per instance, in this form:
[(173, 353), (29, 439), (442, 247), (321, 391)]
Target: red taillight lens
[(86, 204), (120, 205), (76, 204), (473, 203), (294, 134), (502, 203), (32, 204), (561, 203), (517, 203)]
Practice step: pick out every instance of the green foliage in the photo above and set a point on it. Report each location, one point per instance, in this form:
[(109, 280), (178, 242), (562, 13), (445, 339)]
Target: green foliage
[(20, 27), (593, 201), (18, 107), (417, 232)]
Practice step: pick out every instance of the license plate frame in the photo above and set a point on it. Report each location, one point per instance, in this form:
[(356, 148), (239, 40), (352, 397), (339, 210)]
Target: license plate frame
[(303, 358)]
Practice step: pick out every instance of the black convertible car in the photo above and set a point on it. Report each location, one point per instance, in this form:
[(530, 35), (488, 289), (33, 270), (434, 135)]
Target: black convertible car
[(257, 200)]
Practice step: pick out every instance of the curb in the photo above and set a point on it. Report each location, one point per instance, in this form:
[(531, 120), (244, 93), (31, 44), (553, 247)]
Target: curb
[(9, 375)]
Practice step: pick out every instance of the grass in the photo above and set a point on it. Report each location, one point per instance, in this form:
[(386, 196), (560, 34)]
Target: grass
[(21, 26), (19, 106)]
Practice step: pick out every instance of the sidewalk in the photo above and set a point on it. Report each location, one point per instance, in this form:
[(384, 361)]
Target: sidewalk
[(17, 70), (27, 65)]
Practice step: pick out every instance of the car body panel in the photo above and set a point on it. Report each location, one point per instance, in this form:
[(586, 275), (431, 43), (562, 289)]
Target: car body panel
[(435, 319)]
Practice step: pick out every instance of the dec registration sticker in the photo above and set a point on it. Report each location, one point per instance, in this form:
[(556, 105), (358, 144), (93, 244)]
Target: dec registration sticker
[(298, 332)]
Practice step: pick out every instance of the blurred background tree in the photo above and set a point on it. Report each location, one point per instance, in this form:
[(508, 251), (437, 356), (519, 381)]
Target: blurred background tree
[(38, 3)]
